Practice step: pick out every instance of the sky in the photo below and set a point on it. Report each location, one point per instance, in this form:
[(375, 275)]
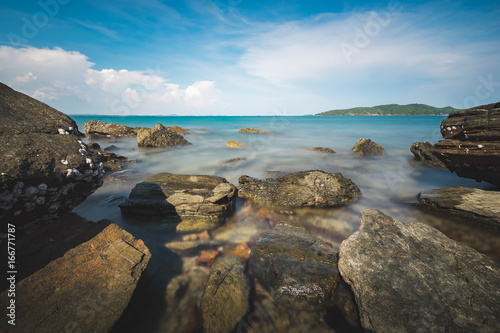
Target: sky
[(249, 57)]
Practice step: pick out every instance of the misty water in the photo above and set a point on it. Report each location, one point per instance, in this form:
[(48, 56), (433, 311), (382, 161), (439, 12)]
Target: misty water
[(389, 183)]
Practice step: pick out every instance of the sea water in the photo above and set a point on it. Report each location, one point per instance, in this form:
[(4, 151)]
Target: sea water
[(389, 183)]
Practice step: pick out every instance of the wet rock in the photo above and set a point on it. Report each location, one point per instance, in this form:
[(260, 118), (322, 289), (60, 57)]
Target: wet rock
[(412, 278), (297, 268), (197, 203), (160, 136), (191, 247), (207, 258), (469, 204), (241, 250), (85, 289), (247, 230), (225, 299), (253, 130), (97, 128), (366, 147), (423, 152), (179, 130), (45, 170), (322, 150), (471, 145), (233, 145), (301, 189)]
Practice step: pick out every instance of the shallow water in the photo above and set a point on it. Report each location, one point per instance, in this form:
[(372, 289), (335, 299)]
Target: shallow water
[(388, 183)]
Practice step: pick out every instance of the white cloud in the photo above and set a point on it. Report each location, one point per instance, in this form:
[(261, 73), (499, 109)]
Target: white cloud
[(67, 79)]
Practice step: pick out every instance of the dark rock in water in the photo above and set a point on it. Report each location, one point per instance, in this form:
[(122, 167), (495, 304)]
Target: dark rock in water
[(423, 152), (84, 288), (471, 145), (225, 299), (45, 170), (253, 130), (322, 150), (366, 147), (469, 204), (111, 148), (301, 189), (160, 136), (101, 129), (297, 268), (412, 278), (197, 202)]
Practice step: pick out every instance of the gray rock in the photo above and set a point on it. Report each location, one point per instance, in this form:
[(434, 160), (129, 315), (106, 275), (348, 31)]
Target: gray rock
[(197, 203), (423, 152), (101, 129), (366, 147), (298, 269), (469, 204), (160, 136), (225, 299), (301, 189), (412, 278)]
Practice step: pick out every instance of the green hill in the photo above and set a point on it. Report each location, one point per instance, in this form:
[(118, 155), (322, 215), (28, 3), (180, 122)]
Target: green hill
[(390, 110)]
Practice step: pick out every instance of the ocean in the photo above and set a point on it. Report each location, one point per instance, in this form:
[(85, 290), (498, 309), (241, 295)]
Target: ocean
[(389, 183)]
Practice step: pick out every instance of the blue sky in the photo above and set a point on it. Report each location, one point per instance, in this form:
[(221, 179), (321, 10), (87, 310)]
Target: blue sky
[(242, 57)]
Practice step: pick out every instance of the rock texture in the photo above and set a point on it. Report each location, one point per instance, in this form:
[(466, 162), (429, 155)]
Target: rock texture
[(45, 170), (86, 289), (160, 136), (225, 299), (301, 189), (366, 147), (423, 152), (469, 204), (197, 202), (322, 150), (298, 269), (100, 128), (471, 145), (253, 130), (412, 278)]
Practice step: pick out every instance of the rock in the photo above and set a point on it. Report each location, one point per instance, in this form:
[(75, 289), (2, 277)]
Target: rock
[(197, 203), (423, 152), (297, 268), (45, 170), (241, 250), (412, 278), (179, 130), (191, 247), (469, 204), (252, 130), (207, 258), (471, 145), (86, 288), (160, 136), (101, 129), (301, 189), (366, 147), (322, 150), (247, 230), (225, 299), (233, 145)]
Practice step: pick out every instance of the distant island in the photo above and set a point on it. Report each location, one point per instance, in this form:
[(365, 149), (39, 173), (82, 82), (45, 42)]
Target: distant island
[(391, 110)]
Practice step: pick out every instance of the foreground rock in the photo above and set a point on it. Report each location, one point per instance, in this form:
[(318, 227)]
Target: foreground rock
[(423, 152), (100, 128), (45, 170), (471, 145), (197, 203), (366, 147), (469, 204), (86, 288), (297, 268), (301, 189), (160, 136), (225, 299), (253, 130), (412, 278)]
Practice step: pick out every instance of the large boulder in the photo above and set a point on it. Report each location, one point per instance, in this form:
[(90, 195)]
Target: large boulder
[(412, 278), (84, 288), (100, 128), (469, 204), (298, 269), (45, 170), (366, 147), (301, 189), (423, 152), (160, 136), (226, 297), (471, 145), (197, 203)]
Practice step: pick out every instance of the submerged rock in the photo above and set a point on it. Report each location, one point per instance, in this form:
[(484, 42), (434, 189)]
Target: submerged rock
[(160, 136), (101, 129), (469, 204), (192, 246), (366, 147), (322, 150), (297, 268), (412, 278), (225, 299), (423, 152), (253, 130), (197, 203), (233, 145), (301, 189)]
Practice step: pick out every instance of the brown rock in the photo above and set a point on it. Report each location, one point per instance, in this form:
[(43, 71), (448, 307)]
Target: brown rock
[(207, 258), (322, 150), (253, 130), (423, 152), (101, 129), (366, 147), (233, 145), (160, 136)]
